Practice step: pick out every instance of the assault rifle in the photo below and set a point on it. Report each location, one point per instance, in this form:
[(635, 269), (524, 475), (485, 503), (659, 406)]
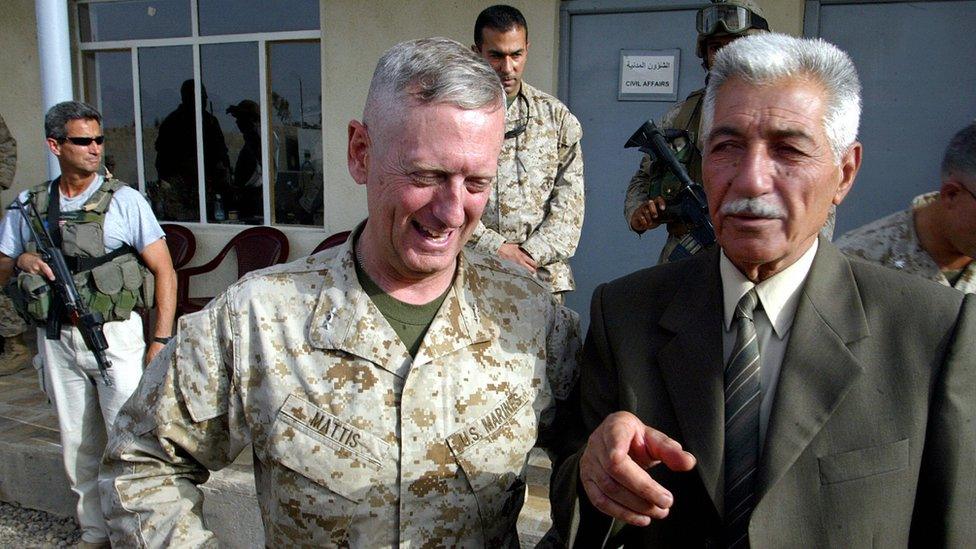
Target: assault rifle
[(88, 322), (692, 207)]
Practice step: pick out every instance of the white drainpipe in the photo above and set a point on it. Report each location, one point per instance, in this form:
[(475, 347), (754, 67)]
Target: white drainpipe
[(54, 54)]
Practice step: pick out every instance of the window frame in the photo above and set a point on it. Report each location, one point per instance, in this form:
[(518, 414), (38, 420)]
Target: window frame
[(195, 41)]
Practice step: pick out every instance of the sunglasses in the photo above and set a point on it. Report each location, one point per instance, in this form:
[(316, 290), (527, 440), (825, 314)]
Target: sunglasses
[(85, 141)]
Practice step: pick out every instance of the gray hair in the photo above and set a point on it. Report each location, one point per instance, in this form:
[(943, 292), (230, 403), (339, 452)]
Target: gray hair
[(431, 71), (62, 113), (766, 58), (960, 155)]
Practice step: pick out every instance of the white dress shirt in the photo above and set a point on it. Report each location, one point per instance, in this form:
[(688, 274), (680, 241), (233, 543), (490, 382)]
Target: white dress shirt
[(779, 296)]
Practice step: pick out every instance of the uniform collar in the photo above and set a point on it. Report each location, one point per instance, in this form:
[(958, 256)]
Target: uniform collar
[(345, 319)]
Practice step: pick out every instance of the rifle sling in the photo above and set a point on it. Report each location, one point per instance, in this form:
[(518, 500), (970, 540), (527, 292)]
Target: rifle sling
[(79, 264), (54, 212), (58, 312)]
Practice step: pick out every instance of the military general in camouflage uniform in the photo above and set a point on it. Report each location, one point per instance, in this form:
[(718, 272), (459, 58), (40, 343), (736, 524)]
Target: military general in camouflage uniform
[(936, 237), (391, 387), (535, 210)]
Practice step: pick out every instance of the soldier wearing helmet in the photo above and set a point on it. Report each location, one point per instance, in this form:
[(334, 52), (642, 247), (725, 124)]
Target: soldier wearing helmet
[(645, 205)]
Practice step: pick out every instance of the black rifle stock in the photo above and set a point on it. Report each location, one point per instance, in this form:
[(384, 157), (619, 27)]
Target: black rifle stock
[(89, 323), (691, 202)]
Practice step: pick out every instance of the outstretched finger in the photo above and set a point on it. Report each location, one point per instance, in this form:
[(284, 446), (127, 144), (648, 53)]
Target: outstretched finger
[(654, 447)]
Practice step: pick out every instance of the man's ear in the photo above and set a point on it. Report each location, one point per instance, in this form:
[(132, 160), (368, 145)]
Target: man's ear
[(54, 146), (850, 163), (357, 151), (950, 189)]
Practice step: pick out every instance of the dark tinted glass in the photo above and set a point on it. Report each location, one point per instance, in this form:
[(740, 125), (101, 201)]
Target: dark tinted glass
[(230, 73), (134, 19), (169, 137), (296, 123), (108, 76), (246, 16)]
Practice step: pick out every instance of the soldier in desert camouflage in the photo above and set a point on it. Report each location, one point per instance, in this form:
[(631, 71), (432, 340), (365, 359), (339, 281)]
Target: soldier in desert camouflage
[(12, 327), (535, 210), (936, 237), (391, 387)]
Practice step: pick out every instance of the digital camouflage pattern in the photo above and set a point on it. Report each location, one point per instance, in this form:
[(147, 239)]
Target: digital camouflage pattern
[(8, 156), (537, 200), (10, 322), (892, 241), (354, 444)]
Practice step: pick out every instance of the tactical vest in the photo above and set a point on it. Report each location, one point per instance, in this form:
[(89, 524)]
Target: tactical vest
[(663, 182), (112, 284)]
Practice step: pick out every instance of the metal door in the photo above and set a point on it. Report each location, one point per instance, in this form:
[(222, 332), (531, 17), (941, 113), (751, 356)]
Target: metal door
[(918, 72), (593, 35)]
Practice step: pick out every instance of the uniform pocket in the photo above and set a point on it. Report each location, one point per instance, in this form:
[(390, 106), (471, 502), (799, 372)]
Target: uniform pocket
[(492, 451), (107, 278), (37, 295), (131, 275), (326, 449), (87, 239)]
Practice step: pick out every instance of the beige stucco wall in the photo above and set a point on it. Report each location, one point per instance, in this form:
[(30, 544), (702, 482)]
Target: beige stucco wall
[(356, 33), (785, 16), (20, 93)]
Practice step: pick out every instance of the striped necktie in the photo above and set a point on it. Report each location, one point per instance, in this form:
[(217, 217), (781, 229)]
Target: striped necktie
[(742, 399)]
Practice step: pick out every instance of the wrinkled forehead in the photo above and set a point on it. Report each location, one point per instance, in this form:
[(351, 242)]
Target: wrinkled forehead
[(786, 103)]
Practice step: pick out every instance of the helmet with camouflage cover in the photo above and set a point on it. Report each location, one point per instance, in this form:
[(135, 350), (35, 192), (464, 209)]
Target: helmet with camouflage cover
[(728, 17)]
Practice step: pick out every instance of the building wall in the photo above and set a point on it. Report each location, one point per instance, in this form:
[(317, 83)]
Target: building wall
[(785, 16), (356, 33), (20, 93)]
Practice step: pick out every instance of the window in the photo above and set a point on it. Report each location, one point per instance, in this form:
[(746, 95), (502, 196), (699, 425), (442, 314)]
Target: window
[(217, 117)]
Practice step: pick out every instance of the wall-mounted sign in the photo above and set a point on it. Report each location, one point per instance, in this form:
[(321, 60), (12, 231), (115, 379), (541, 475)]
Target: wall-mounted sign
[(649, 75)]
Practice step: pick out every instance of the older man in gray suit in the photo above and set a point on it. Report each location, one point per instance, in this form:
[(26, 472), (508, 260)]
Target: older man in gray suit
[(822, 401)]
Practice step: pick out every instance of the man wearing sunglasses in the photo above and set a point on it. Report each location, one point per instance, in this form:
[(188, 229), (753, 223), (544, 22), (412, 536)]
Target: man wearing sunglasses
[(645, 205), (535, 211), (936, 237), (115, 248)]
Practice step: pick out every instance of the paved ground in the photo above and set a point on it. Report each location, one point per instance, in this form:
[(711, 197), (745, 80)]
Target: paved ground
[(22, 527)]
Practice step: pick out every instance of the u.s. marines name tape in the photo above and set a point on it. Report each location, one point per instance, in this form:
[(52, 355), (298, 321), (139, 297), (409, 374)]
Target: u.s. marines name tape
[(485, 426)]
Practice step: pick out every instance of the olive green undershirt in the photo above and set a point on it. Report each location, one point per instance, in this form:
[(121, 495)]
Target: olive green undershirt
[(410, 322)]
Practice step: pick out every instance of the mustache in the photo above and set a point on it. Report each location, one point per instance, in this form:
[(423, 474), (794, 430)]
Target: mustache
[(754, 207)]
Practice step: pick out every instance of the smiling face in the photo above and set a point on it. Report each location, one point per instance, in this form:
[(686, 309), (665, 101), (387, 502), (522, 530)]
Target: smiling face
[(506, 52), (770, 174), (76, 159), (428, 173)]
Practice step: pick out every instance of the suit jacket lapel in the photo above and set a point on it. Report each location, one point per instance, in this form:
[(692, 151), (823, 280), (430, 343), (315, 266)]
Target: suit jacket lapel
[(691, 365), (818, 367)]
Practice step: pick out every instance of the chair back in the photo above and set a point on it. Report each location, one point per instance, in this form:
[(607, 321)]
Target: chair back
[(181, 243), (258, 247), (332, 241)]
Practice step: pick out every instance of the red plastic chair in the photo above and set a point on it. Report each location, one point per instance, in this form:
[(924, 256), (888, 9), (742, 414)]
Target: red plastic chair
[(256, 248), (181, 243), (331, 241)]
